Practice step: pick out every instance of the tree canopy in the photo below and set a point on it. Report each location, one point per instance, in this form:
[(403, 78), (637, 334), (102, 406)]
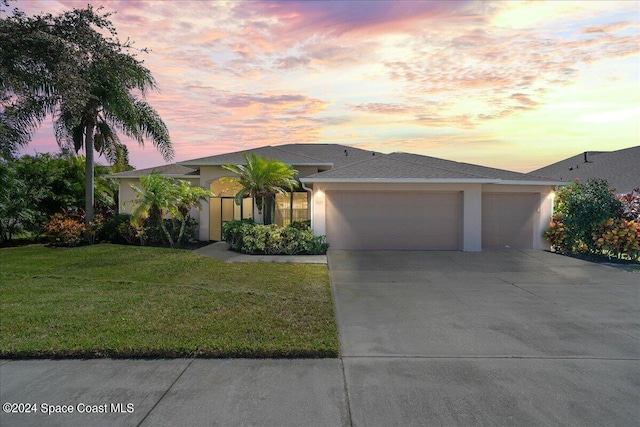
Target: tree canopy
[(74, 68)]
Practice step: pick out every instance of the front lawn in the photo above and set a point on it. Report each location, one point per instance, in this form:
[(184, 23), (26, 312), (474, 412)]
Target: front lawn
[(125, 301)]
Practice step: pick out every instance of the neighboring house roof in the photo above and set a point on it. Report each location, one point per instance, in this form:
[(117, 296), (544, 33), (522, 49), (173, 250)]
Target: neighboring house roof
[(620, 168), (404, 167), (173, 170)]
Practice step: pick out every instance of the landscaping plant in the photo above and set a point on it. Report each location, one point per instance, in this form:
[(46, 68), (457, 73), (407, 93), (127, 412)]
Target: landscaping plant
[(161, 200), (631, 205), (296, 239), (590, 219), (619, 238), (74, 68), (65, 230), (262, 179)]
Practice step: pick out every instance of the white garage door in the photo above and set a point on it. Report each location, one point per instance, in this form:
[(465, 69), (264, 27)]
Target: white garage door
[(393, 220), (508, 220)]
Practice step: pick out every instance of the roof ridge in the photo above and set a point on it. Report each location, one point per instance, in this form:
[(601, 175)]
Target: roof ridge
[(321, 144)]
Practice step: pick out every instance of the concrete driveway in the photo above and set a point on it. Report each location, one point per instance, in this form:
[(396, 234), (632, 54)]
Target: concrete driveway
[(493, 338), (498, 338)]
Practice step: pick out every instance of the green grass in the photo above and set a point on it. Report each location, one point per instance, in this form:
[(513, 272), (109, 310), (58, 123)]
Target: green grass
[(126, 301)]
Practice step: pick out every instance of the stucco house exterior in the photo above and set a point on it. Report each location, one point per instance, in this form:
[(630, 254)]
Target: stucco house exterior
[(366, 200)]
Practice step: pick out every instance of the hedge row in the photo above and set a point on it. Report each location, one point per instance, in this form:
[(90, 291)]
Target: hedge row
[(69, 229), (250, 238)]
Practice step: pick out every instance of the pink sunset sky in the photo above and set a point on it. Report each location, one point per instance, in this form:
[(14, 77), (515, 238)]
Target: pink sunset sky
[(514, 85)]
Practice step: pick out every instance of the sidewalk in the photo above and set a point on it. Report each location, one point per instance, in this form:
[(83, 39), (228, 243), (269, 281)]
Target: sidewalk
[(177, 392), (220, 251)]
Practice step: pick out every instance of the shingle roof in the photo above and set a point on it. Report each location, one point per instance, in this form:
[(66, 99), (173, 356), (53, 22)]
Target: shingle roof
[(386, 167), (337, 154), (351, 164), (414, 167), (620, 168), (269, 152), (466, 168), (172, 170)]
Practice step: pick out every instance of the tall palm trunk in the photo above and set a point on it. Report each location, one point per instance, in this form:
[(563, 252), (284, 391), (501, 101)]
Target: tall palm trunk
[(88, 191)]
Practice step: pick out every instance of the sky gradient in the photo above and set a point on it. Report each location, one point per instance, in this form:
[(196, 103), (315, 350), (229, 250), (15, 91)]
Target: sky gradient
[(513, 85)]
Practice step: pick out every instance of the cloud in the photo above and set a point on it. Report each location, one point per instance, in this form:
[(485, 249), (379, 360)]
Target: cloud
[(610, 28), (240, 74), (336, 18), (292, 62)]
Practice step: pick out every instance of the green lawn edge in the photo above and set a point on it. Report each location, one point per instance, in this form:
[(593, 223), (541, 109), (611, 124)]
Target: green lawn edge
[(118, 301)]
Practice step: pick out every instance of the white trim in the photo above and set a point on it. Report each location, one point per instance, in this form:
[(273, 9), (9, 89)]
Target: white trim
[(524, 182), (163, 174), (431, 181), (403, 180), (218, 163)]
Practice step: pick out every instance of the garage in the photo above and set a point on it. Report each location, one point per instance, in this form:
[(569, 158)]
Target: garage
[(508, 220), (388, 220)]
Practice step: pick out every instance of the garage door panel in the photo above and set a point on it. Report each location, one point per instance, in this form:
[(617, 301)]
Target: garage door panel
[(508, 220), (393, 220)]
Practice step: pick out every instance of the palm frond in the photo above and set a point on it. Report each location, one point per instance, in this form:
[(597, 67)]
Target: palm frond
[(260, 177), (138, 120)]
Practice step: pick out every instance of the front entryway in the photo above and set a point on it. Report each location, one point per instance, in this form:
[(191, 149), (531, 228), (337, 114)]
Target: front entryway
[(223, 210)]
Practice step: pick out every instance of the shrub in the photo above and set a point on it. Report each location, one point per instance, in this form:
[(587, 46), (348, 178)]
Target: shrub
[(583, 207), (557, 235), (301, 225), (64, 230), (631, 205), (232, 232), (618, 237), (158, 236), (248, 237), (111, 231), (123, 228), (93, 230), (131, 233)]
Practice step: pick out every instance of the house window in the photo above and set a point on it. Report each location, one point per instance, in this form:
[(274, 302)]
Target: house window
[(291, 207)]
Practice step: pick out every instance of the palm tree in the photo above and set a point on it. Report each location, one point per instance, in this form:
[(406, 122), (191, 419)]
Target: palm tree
[(113, 107), (160, 197), (64, 65), (262, 179)]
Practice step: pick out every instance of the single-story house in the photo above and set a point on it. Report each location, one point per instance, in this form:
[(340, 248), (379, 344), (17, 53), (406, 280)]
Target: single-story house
[(363, 199), (619, 168)]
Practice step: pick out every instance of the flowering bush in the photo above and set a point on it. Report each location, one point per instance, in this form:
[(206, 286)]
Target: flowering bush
[(65, 230), (618, 237)]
